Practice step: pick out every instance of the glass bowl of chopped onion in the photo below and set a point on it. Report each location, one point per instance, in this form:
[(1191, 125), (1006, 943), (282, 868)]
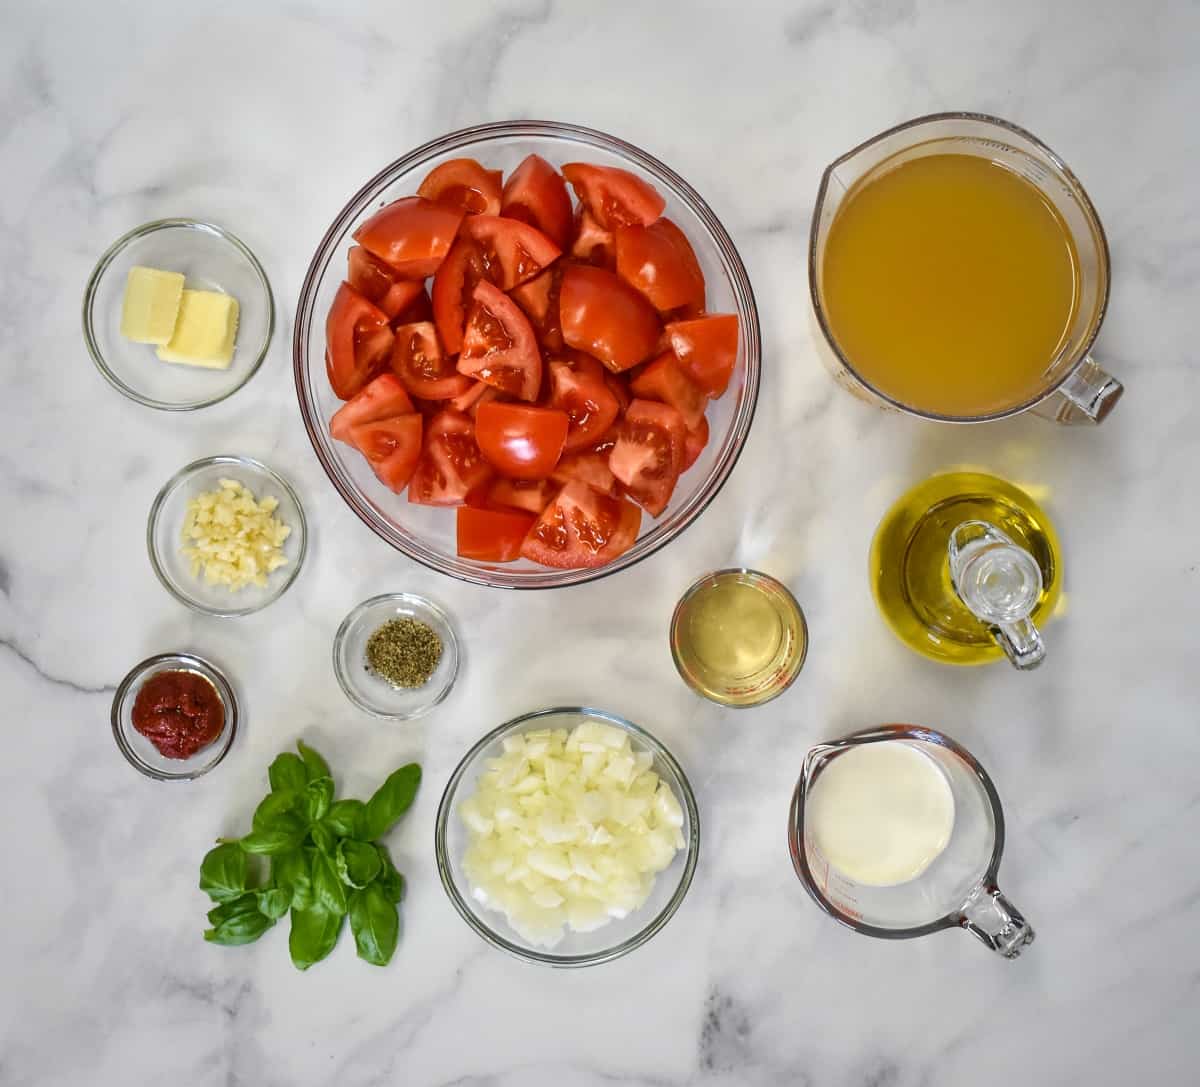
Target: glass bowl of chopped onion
[(226, 535), (567, 837)]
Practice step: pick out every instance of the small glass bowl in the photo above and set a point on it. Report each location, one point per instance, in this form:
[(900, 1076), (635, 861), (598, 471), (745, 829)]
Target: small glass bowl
[(371, 693), (210, 259), (619, 936), (139, 752), (164, 542)]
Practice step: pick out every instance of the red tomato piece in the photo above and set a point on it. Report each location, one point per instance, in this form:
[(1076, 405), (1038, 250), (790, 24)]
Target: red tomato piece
[(590, 467), (648, 456), (588, 402), (391, 446), (381, 399), (513, 252), (620, 389), (536, 194), (499, 346), (413, 235), (663, 380), (538, 298), (614, 196), (659, 261), (357, 341), (492, 535), (706, 349), (452, 287), (477, 394), (380, 283), (451, 465), (419, 362), (593, 244), (419, 309), (532, 495), (520, 441), (465, 185), (604, 316), (582, 527), (693, 444)]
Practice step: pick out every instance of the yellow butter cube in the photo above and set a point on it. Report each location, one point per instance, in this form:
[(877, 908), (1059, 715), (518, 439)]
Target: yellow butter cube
[(151, 305), (205, 331)]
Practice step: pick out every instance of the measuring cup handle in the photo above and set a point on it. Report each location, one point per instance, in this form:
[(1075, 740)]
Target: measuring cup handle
[(996, 921), (1087, 396)]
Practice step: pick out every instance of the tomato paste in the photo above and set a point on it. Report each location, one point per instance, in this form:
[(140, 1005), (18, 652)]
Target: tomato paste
[(179, 713)]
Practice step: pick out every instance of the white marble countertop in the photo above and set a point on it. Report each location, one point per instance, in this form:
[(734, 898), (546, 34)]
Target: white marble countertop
[(265, 121)]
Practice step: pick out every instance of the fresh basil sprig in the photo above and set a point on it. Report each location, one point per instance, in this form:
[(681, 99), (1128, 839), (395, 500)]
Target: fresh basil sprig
[(323, 863)]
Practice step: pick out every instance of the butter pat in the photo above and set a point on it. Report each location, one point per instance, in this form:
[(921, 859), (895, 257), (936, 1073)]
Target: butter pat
[(205, 331), (151, 305)]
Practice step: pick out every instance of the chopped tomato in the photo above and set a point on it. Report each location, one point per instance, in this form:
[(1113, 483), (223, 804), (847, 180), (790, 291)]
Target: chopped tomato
[(648, 456), (492, 535), (452, 287), (391, 446), (582, 527), (381, 399), (419, 309), (538, 298), (477, 394), (659, 261), (604, 316), (513, 252), (593, 244), (357, 341), (588, 403), (694, 442), (706, 349), (620, 389), (520, 441), (499, 346), (532, 495), (451, 465), (419, 362), (590, 467), (413, 235), (536, 194), (614, 196), (665, 381), (463, 184), (380, 283)]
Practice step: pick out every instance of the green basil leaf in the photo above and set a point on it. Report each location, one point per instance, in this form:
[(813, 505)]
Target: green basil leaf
[(328, 892), (316, 798), (227, 910), (242, 922), (287, 772), (274, 840), (391, 800), (345, 818), (223, 873), (390, 881), (357, 863), (375, 923), (272, 807), (314, 764), (323, 838), (314, 934), (292, 872), (274, 903)]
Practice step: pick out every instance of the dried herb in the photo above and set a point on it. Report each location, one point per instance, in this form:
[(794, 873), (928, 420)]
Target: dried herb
[(404, 652)]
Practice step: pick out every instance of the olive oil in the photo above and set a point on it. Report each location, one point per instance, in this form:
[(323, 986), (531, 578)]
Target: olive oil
[(910, 565), (738, 637)]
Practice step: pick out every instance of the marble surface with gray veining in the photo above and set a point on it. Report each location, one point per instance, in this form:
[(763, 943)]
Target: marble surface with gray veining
[(265, 117)]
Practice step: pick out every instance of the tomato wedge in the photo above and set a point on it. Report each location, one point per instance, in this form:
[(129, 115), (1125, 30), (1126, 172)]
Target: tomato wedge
[(648, 456), (391, 446), (520, 441), (538, 299), (380, 283), (357, 341), (492, 535), (694, 443), (499, 346), (587, 401), (590, 467), (604, 316), (531, 495), (536, 194), (663, 380), (381, 399), (614, 196), (477, 394), (451, 465), (463, 184), (582, 527), (413, 235), (452, 288), (659, 261), (593, 244), (513, 252), (419, 362), (706, 348), (620, 389)]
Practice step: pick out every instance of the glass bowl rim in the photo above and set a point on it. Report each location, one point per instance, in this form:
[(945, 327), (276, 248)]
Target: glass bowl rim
[(102, 265), (419, 603), (731, 262), (191, 662), (186, 472), (547, 958)]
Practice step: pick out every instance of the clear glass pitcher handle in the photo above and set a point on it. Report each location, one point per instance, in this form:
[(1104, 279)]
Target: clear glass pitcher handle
[(1086, 397), (1000, 583), (990, 916)]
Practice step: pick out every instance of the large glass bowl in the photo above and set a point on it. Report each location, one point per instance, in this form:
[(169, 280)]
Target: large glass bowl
[(426, 534)]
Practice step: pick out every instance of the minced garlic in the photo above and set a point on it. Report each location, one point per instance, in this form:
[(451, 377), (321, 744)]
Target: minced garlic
[(235, 540)]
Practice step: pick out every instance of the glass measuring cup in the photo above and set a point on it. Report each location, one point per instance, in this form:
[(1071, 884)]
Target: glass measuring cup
[(957, 890), (1075, 389)]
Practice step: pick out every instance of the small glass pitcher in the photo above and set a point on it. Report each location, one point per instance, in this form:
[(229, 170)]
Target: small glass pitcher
[(958, 890), (1075, 389)]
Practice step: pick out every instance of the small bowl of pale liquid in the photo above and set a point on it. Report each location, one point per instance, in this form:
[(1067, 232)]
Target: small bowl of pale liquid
[(738, 637)]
